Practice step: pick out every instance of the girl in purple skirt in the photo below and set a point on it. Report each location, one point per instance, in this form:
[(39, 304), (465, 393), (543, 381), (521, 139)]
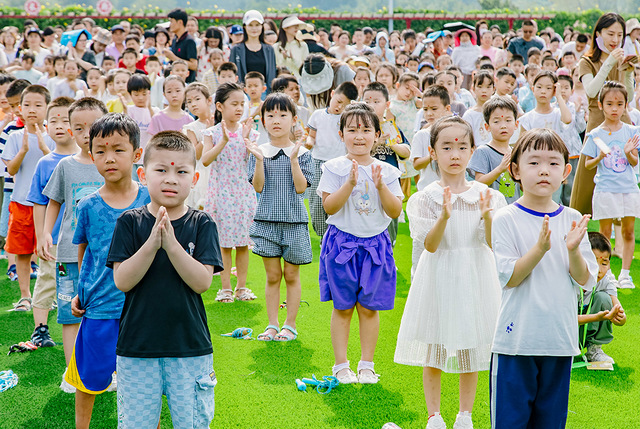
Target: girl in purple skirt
[(357, 270)]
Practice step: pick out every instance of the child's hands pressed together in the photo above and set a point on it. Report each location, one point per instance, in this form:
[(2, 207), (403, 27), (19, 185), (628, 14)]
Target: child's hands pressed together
[(353, 174), (577, 232), (155, 238), (168, 237), (544, 239), (254, 149), (447, 207), (485, 204)]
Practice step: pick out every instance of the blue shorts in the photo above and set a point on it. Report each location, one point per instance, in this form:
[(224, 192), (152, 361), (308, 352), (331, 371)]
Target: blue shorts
[(289, 241), (66, 289), (529, 392), (94, 355), (4, 216), (188, 384)]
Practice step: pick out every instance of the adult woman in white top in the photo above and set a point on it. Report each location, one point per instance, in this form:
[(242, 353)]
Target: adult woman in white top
[(289, 51), (341, 49)]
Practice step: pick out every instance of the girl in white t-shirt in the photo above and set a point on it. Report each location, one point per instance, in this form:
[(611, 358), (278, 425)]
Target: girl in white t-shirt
[(357, 270), (449, 318)]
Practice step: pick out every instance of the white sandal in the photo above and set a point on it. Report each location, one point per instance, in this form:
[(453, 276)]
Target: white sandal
[(246, 294), (225, 296)]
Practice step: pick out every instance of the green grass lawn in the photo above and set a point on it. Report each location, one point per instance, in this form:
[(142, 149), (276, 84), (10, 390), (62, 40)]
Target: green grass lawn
[(256, 386)]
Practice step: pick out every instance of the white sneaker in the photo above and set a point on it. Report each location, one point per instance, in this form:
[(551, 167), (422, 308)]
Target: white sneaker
[(626, 283), (113, 387), (596, 354), (346, 376), (463, 421), (66, 387), (436, 422)]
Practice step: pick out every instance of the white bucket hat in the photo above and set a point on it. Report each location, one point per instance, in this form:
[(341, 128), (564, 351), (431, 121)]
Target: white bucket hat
[(317, 75)]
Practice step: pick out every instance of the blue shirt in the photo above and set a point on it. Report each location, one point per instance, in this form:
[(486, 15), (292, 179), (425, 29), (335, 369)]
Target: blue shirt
[(96, 222), (614, 173), (44, 170)]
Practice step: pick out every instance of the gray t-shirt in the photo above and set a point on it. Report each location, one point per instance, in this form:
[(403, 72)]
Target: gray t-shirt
[(483, 161), (70, 182)]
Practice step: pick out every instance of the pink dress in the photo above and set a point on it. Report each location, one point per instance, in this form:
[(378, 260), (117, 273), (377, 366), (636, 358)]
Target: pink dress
[(231, 200)]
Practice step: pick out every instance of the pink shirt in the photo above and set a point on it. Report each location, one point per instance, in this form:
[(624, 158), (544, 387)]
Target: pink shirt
[(162, 122)]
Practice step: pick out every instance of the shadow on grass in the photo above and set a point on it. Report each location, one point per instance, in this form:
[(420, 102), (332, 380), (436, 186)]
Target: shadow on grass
[(366, 407), (281, 363), (226, 317), (620, 379)]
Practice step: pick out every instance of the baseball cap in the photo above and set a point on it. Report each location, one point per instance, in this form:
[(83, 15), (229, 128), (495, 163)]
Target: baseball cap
[(116, 28), (252, 15), (236, 29)]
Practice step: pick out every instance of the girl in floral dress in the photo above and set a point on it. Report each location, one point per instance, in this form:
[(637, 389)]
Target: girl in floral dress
[(230, 198)]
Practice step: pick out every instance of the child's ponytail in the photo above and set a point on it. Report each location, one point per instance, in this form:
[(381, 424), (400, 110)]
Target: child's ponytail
[(222, 94)]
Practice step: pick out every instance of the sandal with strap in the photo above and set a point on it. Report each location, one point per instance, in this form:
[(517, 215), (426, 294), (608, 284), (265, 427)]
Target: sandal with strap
[(224, 296), (268, 337), (284, 338), (24, 304), (246, 294)]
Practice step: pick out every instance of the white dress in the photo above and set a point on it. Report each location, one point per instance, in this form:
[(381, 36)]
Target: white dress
[(198, 194), (450, 315)]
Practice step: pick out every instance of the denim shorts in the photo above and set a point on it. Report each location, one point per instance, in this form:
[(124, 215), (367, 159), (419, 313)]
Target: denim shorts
[(66, 289), (188, 384)]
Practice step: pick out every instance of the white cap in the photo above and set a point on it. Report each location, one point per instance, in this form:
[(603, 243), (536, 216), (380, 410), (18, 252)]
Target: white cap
[(290, 21), (252, 15)]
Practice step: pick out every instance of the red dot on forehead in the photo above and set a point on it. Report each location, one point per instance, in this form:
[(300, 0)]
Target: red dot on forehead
[(172, 163), (456, 139)]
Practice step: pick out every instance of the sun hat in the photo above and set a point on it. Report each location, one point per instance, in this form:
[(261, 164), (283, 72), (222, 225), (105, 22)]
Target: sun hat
[(317, 75), (432, 37), (290, 21), (252, 15), (306, 33), (103, 36), (632, 24), (471, 33)]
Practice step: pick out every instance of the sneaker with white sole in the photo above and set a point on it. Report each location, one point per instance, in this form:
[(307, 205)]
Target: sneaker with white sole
[(368, 376), (436, 422), (596, 354), (113, 387), (65, 386), (463, 421), (626, 283)]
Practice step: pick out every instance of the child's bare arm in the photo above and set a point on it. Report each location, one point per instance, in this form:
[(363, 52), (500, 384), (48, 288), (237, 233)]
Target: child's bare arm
[(565, 113), (333, 202), (299, 181), (591, 163), (51, 214), (577, 265), (619, 317), (435, 234), (391, 204), (402, 150), (39, 212), (13, 165), (529, 260), (423, 162), (311, 139), (492, 176)]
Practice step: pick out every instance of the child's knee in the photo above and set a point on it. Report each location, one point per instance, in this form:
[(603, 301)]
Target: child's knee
[(601, 301), (628, 232), (274, 276), (291, 274)]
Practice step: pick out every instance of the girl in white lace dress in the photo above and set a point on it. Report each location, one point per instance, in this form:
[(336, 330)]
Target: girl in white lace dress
[(450, 315)]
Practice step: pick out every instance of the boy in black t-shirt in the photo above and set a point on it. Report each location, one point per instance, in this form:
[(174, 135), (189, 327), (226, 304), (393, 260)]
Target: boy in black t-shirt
[(164, 255)]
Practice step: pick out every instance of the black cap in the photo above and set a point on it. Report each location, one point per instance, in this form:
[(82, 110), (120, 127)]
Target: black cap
[(48, 31)]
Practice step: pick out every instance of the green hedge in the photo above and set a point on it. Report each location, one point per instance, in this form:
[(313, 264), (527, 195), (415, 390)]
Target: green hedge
[(584, 19)]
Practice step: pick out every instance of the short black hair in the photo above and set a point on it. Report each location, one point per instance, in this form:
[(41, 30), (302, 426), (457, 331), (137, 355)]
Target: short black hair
[(377, 87), (504, 71), (363, 113), (533, 51), (437, 91), (37, 89), (582, 38), (138, 82), (498, 102), (549, 58), (543, 74), (599, 242), (282, 82), (59, 102), (113, 123), (6, 78), (28, 55), (129, 51), (348, 89), (481, 76), (17, 87), (516, 57), (278, 101), (173, 141), (228, 66), (179, 15), (566, 78), (108, 58), (88, 103), (254, 75)]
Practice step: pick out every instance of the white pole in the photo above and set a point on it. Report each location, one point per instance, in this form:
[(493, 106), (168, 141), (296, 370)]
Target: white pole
[(391, 13)]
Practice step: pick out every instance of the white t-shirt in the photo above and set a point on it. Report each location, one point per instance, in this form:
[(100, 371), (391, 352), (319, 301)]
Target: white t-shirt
[(362, 215), (328, 145), (551, 121), (476, 119), (420, 149), (539, 316), (24, 175)]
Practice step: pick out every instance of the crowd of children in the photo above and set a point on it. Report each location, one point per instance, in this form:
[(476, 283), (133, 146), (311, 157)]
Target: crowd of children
[(137, 165)]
